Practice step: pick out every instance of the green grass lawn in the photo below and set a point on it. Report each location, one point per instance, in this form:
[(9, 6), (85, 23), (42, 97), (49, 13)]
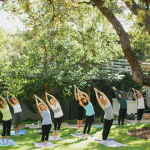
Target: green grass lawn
[(118, 133)]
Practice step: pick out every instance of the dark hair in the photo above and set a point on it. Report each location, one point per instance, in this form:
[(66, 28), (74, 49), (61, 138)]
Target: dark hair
[(1, 104), (85, 103)]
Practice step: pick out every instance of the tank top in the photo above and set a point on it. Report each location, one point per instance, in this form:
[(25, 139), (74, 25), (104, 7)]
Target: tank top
[(6, 113), (46, 117), (141, 104), (57, 110), (89, 109), (17, 108), (108, 112)]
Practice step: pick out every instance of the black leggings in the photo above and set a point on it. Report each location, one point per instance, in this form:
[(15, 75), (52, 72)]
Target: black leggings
[(102, 116), (140, 114), (57, 123), (45, 132), (85, 127), (122, 114), (6, 126), (106, 129)]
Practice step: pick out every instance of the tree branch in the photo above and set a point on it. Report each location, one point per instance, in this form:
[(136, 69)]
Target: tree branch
[(134, 7), (137, 73)]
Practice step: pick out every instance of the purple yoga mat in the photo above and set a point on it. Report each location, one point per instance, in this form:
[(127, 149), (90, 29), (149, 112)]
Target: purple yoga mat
[(49, 144)]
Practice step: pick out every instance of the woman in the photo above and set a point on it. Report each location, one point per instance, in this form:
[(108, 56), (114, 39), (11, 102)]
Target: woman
[(17, 112), (90, 114), (108, 116), (46, 123), (141, 106), (123, 105), (55, 106), (6, 119), (80, 110)]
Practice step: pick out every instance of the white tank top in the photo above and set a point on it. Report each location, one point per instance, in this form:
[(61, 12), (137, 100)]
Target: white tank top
[(57, 110), (17, 108), (141, 104)]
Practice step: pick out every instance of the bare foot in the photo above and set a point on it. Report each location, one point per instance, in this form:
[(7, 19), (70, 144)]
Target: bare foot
[(86, 136), (104, 141), (83, 136)]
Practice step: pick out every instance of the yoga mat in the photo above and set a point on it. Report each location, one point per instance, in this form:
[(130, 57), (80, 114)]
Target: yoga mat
[(78, 128), (79, 135), (51, 138), (49, 144), (111, 143), (11, 142), (21, 132), (96, 126), (40, 131)]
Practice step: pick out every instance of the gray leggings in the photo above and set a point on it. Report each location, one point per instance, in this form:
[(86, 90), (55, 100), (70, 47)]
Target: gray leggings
[(17, 119)]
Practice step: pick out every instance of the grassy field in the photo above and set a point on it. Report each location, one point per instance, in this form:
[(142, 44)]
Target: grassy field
[(118, 133)]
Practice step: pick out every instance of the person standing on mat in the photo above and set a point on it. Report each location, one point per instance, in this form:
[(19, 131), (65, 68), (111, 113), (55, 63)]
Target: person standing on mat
[(47, 122), (55, 106), (4, 108), (90, 114), (17, 112), (123, 105), (141, 105), (80, 110), (108, 116)]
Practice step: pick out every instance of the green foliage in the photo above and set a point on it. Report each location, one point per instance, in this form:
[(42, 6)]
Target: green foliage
[(125, 83), (64, 43)]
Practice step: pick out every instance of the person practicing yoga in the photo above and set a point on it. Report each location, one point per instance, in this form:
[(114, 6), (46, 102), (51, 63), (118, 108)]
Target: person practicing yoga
[(55, 106), (4, 108), (90, 114), (17, 112), (80, 109), (123, 105), (47, 122), (141, 105), (108, 116)]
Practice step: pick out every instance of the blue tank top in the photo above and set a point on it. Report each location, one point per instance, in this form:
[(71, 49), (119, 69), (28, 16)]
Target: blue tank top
[(46, 117)]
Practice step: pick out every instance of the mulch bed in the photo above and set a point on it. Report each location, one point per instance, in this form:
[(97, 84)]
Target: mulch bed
[(143, 133)]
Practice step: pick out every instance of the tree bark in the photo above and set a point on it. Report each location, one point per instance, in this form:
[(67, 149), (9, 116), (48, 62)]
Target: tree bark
[(134, 7), (138, 75)]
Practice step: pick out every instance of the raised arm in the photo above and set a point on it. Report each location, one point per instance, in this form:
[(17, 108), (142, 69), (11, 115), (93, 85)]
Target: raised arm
[(117, 92), (106, 98), (87, 97), (53, 97), (75, 92), (4, 100), (13, 97), (136, 91), (98, 99), (79, 96), (37, 104), (139, 93), (11, 104), (47, 100), (42, 102)]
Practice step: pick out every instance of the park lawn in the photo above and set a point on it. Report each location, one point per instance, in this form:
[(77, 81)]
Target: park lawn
[(118, 133)]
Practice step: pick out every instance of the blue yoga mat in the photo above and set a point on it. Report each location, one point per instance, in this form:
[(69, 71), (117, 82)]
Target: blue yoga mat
[(111, 143), (96, 126), (49, 144), (21, 132), (11, 142)]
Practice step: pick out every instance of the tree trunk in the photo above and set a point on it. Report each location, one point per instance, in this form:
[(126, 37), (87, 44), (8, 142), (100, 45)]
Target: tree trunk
[(134, 7), (137, 73)]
